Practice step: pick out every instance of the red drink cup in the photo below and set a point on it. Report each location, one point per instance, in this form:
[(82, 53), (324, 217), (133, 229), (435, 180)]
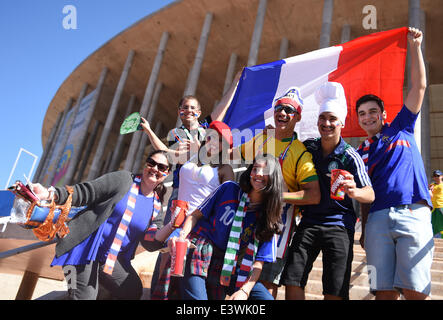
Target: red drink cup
[(337, 177), (178, 258), (179, 212)]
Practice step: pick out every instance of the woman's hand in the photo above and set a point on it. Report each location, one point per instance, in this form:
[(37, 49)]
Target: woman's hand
[(41, 192), (145, 124), (173, 240)]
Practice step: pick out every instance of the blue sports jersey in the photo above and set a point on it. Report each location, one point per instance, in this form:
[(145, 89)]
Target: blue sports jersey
[(394, 164), (330, 211), (218, 211)]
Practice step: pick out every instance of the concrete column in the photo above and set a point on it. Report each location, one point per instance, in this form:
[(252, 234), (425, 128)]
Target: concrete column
[(87, 153), (325, 35), (47, 147), (121, 138), (414, 21), (345, 33), (135, 141), (194, 73), (106, 164), (56, 138), (284, 45), (75, 160), (230, 72), (95, 166), (158, 127), (67, 132), (143, 141), (425, 109), (345, 37), (256, 35)]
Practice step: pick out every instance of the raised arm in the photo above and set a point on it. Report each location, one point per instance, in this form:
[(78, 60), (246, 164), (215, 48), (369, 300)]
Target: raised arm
[(416, 93), (181, 155), (155, 141)]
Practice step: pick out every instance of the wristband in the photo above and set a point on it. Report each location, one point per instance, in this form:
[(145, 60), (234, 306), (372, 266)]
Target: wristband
[(247, 294)]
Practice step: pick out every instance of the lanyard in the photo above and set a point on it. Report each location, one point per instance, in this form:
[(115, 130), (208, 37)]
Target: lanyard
[(282, 155), (200, 130)]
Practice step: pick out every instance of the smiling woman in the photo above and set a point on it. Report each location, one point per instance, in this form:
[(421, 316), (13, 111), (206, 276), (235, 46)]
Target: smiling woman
[(122, 210), (246, 217)]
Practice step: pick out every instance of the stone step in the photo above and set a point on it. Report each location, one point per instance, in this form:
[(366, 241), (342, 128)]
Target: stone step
[(361, 279), (316, 273), (315, 287), (360, 258)]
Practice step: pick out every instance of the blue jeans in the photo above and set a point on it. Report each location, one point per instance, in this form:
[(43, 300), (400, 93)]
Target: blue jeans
[(194, 288), (399, 248)]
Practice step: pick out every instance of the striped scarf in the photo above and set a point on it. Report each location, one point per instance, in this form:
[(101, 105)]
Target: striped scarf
[(124, 224), (233, 246), (365, 146), (152, 228)]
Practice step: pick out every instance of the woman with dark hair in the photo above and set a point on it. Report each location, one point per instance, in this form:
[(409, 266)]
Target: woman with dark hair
[(122, 210), (233, 232), (199, 177)]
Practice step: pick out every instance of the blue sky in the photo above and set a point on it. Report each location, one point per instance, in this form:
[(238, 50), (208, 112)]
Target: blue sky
[(37, 54)]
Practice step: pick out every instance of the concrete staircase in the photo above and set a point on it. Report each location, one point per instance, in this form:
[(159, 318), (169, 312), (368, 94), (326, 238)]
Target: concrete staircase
[(144, 263), (359, 289)]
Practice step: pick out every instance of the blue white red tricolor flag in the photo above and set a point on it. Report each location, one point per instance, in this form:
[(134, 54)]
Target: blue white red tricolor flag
[(370, 64)]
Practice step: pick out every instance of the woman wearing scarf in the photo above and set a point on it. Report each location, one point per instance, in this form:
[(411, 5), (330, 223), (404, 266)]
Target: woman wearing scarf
[(233, 231), (122, 210), (205, 171)]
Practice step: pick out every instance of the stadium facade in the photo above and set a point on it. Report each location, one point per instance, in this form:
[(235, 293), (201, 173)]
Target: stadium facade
[(195, 47)]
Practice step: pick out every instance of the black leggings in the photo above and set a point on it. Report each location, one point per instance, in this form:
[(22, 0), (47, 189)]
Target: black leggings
[(84, 281)]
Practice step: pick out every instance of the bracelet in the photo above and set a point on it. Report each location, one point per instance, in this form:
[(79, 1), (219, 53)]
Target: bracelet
[(247, 294)]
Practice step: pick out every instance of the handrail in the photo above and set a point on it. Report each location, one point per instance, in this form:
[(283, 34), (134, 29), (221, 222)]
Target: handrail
[(26, 248)]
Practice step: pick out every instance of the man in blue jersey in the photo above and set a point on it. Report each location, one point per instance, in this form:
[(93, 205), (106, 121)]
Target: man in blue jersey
[(396, 228), (328, 226)]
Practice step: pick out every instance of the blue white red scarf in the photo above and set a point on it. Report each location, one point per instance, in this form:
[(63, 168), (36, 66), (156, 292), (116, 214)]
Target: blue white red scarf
[(365, 146), (124, 224)]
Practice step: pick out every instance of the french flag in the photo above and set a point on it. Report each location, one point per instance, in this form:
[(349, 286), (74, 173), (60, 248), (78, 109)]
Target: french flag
[(370, 64)]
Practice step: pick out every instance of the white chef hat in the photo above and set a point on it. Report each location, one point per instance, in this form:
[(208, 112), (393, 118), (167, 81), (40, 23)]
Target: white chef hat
[(331, 98)]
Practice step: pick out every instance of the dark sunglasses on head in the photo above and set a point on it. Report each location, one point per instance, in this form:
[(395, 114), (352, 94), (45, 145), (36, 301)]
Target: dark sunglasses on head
[(160, 166), (287, 109)]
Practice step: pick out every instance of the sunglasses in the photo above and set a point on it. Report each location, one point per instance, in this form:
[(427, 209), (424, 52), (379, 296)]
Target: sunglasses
[(160, 166), (287, 109)]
